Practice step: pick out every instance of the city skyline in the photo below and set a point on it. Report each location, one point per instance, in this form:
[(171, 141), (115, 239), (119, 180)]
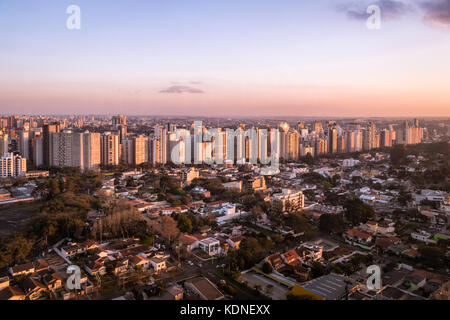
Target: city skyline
[(259, 59)]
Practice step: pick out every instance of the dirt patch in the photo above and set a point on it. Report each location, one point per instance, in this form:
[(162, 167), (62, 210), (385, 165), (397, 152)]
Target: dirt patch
[(14, 216)]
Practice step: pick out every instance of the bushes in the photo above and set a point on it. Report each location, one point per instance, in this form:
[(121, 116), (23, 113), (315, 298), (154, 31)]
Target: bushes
[(267, 268)]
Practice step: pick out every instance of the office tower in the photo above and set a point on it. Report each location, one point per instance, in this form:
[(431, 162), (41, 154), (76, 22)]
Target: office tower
[(48, 129), (109, 149), (12, 166), (119, 120), (91, 150)]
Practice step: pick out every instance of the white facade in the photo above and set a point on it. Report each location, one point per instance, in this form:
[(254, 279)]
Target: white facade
[(12, 166)]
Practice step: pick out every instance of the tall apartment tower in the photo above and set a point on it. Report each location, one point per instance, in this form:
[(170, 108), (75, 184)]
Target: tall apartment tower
[(119, 120), (67, 149), (109, 149), (371, 130), (24, 143), (48, 129), (38, 151), (91, 150), (332, 140), (4, 143), (12, 166), (160, 147)]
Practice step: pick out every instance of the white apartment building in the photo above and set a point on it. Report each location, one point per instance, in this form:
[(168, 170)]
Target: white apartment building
[(294, 198), (12, 166)]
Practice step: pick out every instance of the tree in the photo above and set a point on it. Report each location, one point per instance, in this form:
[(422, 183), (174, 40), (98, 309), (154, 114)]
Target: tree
[(317, 269), (404, 197), (331, 223), (357, 211), (184, 223), (398, 155), (15, 249), (267, 268), (432, 256), (256, 213), (166, 227), (310, 194)]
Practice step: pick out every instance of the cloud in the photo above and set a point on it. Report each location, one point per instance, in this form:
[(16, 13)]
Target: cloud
[(181, 89), (390, 9), (437, 11)]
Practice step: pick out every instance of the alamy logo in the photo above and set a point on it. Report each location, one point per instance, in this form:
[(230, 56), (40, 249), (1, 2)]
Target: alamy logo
[(374, 21), (73, 282), (374, 281), (74, 20)]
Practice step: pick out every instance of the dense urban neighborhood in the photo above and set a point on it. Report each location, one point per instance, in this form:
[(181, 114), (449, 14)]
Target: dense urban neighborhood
[(343, 196)]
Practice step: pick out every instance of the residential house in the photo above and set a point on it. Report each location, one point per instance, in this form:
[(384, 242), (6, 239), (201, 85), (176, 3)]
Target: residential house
[(359, 238), (210, 245), (73, 250), (33, 289), (158, 264), (139, 262), (22, 269), (235, 241)]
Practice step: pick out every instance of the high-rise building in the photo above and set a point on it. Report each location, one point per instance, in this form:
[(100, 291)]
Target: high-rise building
[(109, 149), (317, 127), (332, 140), (385, 138), (67, 149), (24, 143), (371, 135), (119, 120), (159, 149), (4, 143), (350, 139), (48, 129), (38, 151), (140, 154), (12, 166), (91, 150)]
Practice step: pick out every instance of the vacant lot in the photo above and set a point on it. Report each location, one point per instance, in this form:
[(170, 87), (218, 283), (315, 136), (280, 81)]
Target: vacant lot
[(15, 215)]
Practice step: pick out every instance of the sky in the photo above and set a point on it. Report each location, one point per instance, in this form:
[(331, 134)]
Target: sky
[(226, 58)]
